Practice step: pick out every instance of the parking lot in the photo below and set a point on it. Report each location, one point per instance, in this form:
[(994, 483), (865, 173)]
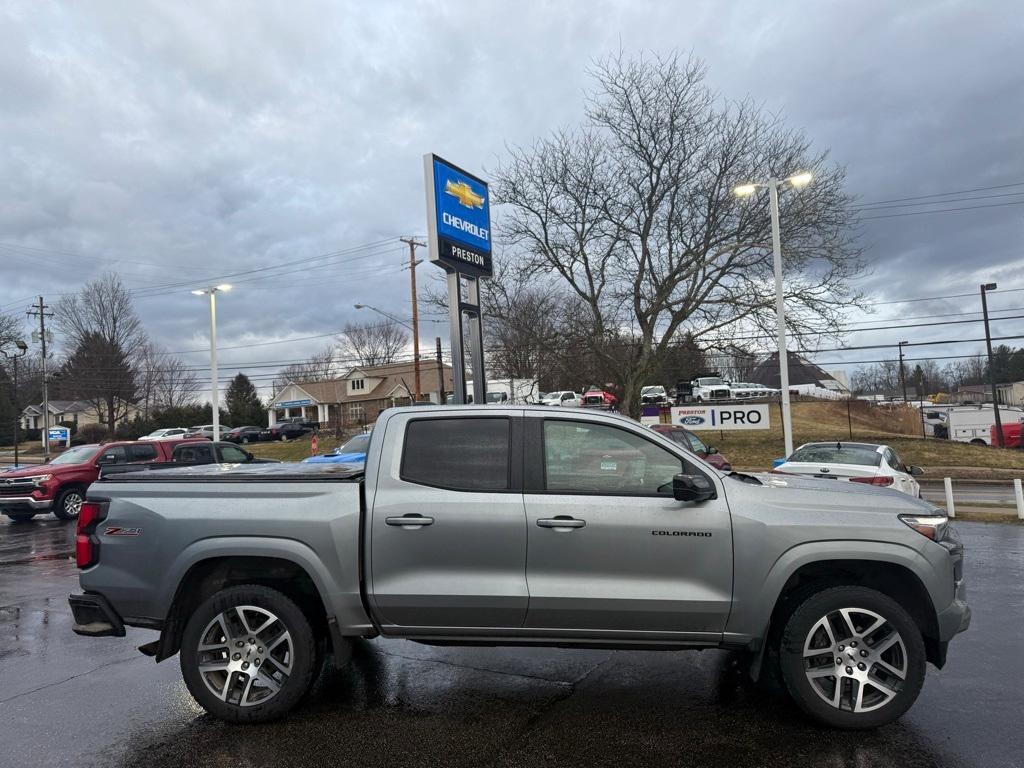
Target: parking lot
[(66, 700)]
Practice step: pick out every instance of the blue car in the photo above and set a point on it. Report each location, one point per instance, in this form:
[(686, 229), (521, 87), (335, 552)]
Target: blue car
[(352, 452)]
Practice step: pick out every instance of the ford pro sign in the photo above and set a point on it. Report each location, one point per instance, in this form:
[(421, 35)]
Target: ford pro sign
[(722, 417), (458, 218)]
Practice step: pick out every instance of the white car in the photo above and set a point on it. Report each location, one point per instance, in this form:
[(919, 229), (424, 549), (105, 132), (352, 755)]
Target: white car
[(164, 434), (744, 390), (867, 463), (563, 398), (653, 395)]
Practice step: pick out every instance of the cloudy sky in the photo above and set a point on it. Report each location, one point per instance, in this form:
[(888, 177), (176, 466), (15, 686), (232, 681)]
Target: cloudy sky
[(186, 143)]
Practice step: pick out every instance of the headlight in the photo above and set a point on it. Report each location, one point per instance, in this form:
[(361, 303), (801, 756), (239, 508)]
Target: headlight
[(932, 526), (40, 479)]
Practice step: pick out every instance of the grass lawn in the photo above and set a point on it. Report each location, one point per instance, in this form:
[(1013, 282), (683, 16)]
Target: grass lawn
[(826, 421), (293, 450)]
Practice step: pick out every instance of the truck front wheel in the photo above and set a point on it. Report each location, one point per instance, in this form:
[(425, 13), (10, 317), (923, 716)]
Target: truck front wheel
[(852, 657), (248, 654), (68, 503)]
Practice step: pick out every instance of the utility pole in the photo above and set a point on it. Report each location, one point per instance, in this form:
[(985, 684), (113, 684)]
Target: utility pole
[(413, 245), (40, 312), (991, 369), (440, 371), (903, 373)]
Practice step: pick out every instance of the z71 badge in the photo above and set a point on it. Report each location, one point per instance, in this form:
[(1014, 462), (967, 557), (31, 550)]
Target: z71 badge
[(113, 530)]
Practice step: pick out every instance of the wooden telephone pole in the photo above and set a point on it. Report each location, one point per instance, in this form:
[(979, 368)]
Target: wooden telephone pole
[(413, 245)]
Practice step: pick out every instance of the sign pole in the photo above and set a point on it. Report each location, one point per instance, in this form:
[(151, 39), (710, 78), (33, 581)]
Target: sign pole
[(455, 325)]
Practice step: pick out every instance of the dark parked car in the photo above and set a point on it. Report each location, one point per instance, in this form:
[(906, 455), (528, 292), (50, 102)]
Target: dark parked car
[(286, 430), (694, 444), (244, 435)]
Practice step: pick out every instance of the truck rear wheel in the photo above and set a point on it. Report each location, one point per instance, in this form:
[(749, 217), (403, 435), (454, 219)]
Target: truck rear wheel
[(852, 657), (248, 654)]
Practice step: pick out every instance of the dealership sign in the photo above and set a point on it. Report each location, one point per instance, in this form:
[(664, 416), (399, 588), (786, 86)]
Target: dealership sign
[(458, 218), (723, 417), (293, 403), (59, 435)]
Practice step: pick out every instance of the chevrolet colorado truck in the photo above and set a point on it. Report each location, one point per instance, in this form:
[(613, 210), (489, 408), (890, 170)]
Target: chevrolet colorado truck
[(482, 525)]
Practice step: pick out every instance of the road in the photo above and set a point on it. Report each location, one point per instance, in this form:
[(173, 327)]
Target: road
[(66, 700)]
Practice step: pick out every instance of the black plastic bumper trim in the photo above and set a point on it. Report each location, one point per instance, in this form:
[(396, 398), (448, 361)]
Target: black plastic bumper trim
[(95, 616)]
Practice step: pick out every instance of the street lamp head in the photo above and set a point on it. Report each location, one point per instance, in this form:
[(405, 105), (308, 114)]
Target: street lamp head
[(989, 287), (360, 306), (199, 292), (800, 179), (903, 343), (223, 287), (20, 344), (744, 190)]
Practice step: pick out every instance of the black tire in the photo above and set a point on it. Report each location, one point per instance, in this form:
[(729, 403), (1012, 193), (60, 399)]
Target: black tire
[(284, 438), (304, 660), (827, 602), (20, 517), (68, 502), (245, 441)]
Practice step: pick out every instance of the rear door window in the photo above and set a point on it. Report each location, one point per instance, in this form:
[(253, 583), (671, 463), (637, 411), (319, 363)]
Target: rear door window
[(468, 454), (141, 452), (231, 455)]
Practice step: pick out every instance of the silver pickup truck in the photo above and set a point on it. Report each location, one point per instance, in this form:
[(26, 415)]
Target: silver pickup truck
[(521, 526)]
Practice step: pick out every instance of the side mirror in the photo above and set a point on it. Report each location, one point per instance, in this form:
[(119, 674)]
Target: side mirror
[(712, 449), (916, 471), (692, 488)]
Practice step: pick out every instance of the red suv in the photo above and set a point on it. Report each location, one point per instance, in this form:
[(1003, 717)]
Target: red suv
[(694, 444), (60, 485)]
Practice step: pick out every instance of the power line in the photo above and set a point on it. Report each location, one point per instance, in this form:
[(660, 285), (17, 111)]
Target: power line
[(938, 202), (946, 194), (944, 210)]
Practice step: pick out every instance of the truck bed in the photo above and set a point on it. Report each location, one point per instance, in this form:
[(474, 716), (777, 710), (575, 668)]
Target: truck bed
[(231, 473)]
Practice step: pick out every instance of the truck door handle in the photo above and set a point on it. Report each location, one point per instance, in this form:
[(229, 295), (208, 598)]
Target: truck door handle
[(561, 522), (409, 521)]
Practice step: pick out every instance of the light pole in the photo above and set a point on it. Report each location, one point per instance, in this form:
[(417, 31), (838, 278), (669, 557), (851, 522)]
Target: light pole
[(415, 339), (903, 373), (212, 292), (991, 369), (23, 347), (796, 181)]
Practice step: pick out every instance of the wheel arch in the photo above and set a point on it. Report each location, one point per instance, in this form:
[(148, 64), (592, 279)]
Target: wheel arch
[(895, 580), (279, 565)]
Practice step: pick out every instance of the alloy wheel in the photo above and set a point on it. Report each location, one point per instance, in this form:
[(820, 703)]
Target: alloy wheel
[(855, 660), (73, 503), (245, 655)]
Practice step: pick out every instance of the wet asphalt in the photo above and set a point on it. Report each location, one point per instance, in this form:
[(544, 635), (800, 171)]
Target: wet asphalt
[(66, 700)]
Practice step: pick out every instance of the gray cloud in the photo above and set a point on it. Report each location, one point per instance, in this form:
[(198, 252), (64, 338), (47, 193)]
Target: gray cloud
[(175, 141)]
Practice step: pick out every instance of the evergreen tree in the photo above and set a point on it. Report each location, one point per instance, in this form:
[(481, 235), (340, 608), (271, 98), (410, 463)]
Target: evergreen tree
[(244, 404)]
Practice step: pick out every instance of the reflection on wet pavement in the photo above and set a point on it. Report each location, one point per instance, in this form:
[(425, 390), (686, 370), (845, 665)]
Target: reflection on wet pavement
[(66, 700)]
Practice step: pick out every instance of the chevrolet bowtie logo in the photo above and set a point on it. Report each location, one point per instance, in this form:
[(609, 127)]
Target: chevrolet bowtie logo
[(462, 192)]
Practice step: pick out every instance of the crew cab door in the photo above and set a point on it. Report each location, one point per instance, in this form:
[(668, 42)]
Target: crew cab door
[(608, 552), (448, 528)]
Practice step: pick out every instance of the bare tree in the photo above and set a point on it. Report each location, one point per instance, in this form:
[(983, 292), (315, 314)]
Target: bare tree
[(164, 380), (10, 329), (372, 343), (103, 333), (634, 213), (321, 366)]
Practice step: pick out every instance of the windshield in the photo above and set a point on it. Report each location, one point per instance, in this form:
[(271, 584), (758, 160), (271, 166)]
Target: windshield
[(76, 455), (651, 390), (712, 381), (496, 397), (833, 453), (357, 444)]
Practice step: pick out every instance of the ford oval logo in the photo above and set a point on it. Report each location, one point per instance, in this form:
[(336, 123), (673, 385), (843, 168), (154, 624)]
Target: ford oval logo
[(691, 421)]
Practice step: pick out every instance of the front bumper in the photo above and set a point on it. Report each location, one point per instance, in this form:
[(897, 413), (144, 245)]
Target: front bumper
[(95, 616), (16, 503)]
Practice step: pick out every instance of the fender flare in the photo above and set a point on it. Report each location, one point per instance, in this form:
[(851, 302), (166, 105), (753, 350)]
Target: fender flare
[(757, 613)]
